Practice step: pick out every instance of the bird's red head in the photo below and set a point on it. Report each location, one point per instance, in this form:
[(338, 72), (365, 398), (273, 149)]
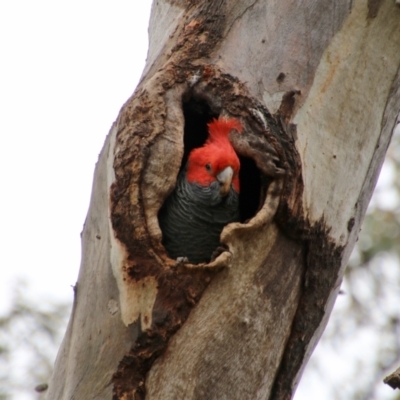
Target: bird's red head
[(216, 160)]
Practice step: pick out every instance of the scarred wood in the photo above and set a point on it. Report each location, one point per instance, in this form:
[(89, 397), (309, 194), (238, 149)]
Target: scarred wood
[(244, 326), (140, 266)]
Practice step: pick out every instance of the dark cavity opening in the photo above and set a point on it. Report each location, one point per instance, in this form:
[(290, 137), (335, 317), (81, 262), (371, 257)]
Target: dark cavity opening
[(250, 199), (198, 114)]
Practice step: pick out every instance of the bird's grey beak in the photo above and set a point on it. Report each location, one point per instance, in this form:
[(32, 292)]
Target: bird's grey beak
[(225, 179)]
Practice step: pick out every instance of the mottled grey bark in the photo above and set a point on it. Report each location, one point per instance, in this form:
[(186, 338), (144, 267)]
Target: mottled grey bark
[(316, 85)]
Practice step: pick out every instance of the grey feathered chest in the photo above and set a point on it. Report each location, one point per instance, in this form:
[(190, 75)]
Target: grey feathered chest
[(193, 217)]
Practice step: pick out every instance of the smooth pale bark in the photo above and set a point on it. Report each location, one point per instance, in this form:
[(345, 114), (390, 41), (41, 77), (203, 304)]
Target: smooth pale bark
[(317, 87)]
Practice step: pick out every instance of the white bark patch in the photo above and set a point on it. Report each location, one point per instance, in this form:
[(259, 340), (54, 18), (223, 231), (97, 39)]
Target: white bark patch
[(136, 298), (113, 307), (355, 73), (142, 295), (273, 101)]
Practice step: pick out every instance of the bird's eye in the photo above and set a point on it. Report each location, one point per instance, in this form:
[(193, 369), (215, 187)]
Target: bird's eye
[(208, 167)]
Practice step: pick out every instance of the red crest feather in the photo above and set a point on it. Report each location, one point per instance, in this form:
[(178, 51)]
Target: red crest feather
[(221, 127)]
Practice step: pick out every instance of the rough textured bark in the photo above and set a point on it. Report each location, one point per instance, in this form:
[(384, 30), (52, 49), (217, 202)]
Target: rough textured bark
[(316, 85)]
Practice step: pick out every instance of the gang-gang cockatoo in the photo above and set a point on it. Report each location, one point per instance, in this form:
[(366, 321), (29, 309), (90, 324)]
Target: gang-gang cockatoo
[(206, 197)]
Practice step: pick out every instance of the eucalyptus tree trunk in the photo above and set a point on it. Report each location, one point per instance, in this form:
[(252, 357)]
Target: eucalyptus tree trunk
[(316, 86)]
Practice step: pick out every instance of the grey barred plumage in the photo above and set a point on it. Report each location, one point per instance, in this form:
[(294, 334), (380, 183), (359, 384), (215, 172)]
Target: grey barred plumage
[(193, 217)]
